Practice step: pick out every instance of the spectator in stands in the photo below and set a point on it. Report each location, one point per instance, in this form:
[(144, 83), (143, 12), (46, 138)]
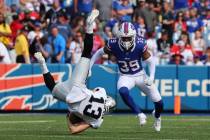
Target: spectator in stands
[(47, 4), (176, 59), (198, 5), (145, 18), (45, 48), (59, 45), (22, 47), (207, 60), (63, 26), (112, 21), (10, 13), (107, 33), (197, 61), (83, 7), (35, 33), (186, 51), (111, 59), (68, 5), (147, 13), (78, 25), (106, 7), (168, 20), (4, 55), (206, 33), (34, 38), (183, 46), (51, 16), (98, 41), (179, 26), (186, 15), (164, 45), (140, 26), (31, 16), (124, 10), (75, 50), (15, 26), (198, 44), (180, 5), (5, 32), (194, 23), (157, 6)]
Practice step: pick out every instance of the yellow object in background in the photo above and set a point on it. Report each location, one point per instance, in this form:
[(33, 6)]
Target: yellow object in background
[(5, 28), (21, 45)]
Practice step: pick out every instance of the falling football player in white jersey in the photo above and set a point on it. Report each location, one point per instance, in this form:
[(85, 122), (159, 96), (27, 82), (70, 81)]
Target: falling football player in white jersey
[(86, 106), (130, 50)]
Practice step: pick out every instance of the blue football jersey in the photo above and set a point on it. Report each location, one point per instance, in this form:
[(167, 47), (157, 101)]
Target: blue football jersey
[(129, 62)]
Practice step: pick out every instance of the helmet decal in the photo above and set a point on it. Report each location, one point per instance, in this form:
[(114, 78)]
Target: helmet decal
[(126, 28)]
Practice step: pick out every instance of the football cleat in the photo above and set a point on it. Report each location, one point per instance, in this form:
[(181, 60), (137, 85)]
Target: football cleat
[(157, 123), (39, 57), (142, 119), (91, 18)]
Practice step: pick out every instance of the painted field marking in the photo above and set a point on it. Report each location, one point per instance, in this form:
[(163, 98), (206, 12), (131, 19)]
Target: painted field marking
[(187, 120), (82, 137), (15, 122)]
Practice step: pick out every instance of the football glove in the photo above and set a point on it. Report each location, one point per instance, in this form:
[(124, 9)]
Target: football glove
[(148, 81)]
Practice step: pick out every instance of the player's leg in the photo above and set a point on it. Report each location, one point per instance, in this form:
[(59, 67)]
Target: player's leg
[(58, 90), (81, 70), (48, 79), (124, 85), (154, 95)]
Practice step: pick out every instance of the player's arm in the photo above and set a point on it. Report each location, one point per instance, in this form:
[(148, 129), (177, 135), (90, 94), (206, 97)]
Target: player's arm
[(98, 54), (148, 58), (76, 127)]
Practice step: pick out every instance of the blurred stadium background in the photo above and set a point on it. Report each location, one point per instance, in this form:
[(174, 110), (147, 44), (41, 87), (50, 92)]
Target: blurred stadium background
[(177, 33)]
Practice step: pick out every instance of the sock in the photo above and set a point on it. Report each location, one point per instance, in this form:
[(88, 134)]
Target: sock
[(49, 81), (89, 28), (158, 108), (44, 68), (88, 45), (124, 92)]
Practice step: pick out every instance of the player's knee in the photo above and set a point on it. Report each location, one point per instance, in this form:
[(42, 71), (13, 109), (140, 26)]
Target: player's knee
[(124, 91)]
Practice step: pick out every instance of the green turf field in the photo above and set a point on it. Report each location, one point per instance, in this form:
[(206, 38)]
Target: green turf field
[(116, 127)]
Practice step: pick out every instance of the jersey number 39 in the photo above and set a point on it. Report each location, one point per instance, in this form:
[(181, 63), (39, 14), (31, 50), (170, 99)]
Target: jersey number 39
[(94, 111)]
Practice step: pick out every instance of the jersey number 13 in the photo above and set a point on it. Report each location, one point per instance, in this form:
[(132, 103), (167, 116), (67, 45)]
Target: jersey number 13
[(94, 111)]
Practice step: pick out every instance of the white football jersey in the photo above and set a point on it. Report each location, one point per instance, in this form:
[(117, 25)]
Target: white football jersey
[(91, 109)]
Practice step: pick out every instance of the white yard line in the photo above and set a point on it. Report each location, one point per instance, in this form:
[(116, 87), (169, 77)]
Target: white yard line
[(15, 122), (81, 137), (187, 120)]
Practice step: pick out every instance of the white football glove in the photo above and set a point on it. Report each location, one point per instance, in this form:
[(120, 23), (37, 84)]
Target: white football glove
[(148, 81), (110, 103), (39, 57)]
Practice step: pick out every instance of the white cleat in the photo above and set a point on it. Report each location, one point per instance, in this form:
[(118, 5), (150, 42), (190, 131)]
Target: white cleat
[(93, 15), (157, 123), (142, 119), (39, 57)]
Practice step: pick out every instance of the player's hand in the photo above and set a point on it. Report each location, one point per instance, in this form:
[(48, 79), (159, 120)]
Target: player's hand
[(148, 81)]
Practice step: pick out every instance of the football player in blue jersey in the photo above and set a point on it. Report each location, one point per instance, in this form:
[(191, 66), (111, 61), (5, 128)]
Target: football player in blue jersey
[(130, 50)]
